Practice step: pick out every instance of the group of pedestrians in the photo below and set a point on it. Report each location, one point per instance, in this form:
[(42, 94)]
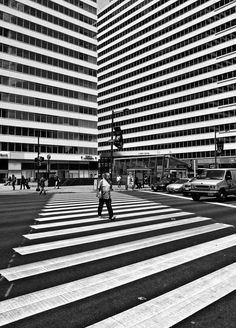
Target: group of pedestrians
[(24, 183)]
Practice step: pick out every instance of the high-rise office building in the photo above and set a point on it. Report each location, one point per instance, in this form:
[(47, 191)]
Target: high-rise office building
[(172, 64), (48, 104)]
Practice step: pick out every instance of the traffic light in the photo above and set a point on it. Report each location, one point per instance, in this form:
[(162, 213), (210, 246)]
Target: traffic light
[(219, 147), (118, 138), (39, 160)]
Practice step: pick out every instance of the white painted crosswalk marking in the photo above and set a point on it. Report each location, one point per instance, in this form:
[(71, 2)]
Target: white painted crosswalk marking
[(106, 235), (99, 226), (35, 268), (91, 213), (177, 305), (146, 218), (95, 220), (95, 204), (37, 302), (91, 208)]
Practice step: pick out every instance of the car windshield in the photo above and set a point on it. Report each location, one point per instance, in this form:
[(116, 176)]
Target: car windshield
[(182, 181), (215, 174)]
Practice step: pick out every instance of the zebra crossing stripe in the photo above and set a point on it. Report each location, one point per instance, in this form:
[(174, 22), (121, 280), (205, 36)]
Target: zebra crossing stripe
[(92, 212), (31, 269), (95, 203), (89, 199), (81, 221), (82, 209), (37, 302), (47, 246), (169, 309), (98, 226), (96, 220)]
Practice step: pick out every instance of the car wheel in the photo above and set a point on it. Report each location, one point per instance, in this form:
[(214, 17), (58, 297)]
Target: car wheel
[(195, 197), (221, 196)]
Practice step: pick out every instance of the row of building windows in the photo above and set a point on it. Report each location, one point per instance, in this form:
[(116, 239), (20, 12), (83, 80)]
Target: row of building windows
[(64, 10), (13, 51), (53, 5), (114, 12), (173, 101), (26, 39), (218, 5), (77, 3), (179, 55), (177, 111), (19, 83), (31, 148), (135, 16), (47, 31), (174, 122), (181, 133), (16, 67), (50, 134), (174, 90), (157, 25), (44, 103), (35, 117), (172, 37), (176, 78), (171, 48), (180, 77), (181, 144), (205, 154), (189, 154)]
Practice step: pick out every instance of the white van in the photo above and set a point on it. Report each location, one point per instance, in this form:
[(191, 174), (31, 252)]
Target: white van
[(216, 183)]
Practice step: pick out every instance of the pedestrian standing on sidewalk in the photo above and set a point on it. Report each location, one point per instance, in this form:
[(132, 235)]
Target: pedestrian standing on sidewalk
[(22, 182), (13, 183), (118, 180), (104, 195), (57, 181)]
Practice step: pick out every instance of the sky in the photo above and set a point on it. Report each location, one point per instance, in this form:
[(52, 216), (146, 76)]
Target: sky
[(102, 3)]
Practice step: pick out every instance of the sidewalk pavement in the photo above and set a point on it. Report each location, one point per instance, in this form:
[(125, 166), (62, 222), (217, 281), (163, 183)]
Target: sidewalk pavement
[(7, 190)]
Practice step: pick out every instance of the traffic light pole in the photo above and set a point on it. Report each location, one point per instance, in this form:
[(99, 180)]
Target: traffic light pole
[(215, 153), (37, 189), (112, 137)]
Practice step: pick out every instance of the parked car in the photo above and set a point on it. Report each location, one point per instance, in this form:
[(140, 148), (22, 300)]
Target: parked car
[(177, 186), (217, 183), (161, 185), (187, 186)]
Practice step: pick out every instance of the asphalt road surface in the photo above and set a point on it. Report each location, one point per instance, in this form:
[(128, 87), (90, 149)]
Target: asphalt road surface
[(166, 261)]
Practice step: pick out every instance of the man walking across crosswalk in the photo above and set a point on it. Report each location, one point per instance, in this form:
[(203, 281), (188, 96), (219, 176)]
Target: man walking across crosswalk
[(104, 195)]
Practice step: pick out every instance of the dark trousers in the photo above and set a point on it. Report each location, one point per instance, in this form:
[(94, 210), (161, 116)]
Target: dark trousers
[(108, 204)]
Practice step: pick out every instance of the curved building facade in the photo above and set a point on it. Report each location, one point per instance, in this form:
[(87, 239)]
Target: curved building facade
[(173, 65), (48, 104)]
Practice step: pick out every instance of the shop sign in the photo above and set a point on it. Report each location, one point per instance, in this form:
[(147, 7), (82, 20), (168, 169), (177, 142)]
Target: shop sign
[(88, 157), (4, 155)]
